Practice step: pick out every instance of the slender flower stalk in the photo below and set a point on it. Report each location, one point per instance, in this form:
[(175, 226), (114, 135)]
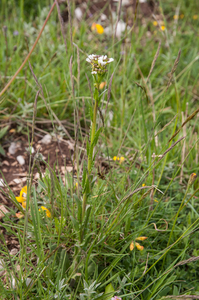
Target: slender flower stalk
[(99, 69)]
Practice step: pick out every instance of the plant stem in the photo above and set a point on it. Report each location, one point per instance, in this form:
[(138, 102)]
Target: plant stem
[(90, 157)]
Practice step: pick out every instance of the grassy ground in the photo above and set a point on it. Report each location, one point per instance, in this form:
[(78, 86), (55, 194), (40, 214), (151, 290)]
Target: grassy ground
[(65, 257)]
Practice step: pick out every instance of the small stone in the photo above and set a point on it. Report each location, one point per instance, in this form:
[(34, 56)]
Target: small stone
[(103, 17), (78, 13), (13, 281), (36, 176), (31, 150), (5, 162), (3, 211), (46, 139), (13, 148), (66, 169), (14, 251), (16, 181), (1, 267), (2, 183), (28, 281), (21, 160)]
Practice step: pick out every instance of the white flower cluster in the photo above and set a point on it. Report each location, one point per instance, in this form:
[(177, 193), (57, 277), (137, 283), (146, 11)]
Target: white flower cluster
[(99, 63)]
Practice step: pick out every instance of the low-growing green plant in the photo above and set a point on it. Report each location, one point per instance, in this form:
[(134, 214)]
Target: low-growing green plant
[(132, 231)]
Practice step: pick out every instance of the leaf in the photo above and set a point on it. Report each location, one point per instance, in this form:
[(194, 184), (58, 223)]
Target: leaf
[(3, 131), (75, 223), (91, 112), (87, 147), (2, 151), (84, 175), (108, 289), (96, 137), (79, 207)]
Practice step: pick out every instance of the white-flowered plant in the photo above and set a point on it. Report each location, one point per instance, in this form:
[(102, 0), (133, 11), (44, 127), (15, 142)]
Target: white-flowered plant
[(99, 63), (99, 69)]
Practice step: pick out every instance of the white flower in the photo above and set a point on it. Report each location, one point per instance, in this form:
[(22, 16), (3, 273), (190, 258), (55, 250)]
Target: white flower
[(110, 60), (99, 63)]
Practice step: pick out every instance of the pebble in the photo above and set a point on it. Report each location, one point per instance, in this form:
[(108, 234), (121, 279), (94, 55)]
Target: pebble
[(78, 13), (21, 160), (2, 183), (14, 251), (3, 211), (46, 139), (30, 150), (1, 267), (28, 281), (13, 148)]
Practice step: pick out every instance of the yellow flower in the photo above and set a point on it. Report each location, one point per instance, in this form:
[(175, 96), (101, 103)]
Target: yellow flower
[(23, 195), (102, 85), (143, 184), (192, 178), (23, 204), (139, 247), (175, 17), (155, 23), (155, 200), (132, 246), (141, 238), (114, 158), (181, 16), (122, 159), (195, 17), (98, 28), (162, 27), (76, 184), (48, 214)]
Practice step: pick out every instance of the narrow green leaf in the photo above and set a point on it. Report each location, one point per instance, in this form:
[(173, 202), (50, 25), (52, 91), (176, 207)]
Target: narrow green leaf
[(3, 131)]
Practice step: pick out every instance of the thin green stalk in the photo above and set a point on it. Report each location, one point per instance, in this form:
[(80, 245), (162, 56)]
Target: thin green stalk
[(90, 158), (191, 180)]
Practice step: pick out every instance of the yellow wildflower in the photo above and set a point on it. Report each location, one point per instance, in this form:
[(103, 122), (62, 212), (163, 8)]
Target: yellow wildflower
[(23, 195), (132, 246), (141, 238), (98, 28), (102, 85), (155, 23), (48, 214), (162, 27), (139, 247), (192, 178), (155, 200), (76, 184), (195, 17), (143, 184), (175, 17), (181, 16), (22, 198), (122, 159), (114, 158)]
